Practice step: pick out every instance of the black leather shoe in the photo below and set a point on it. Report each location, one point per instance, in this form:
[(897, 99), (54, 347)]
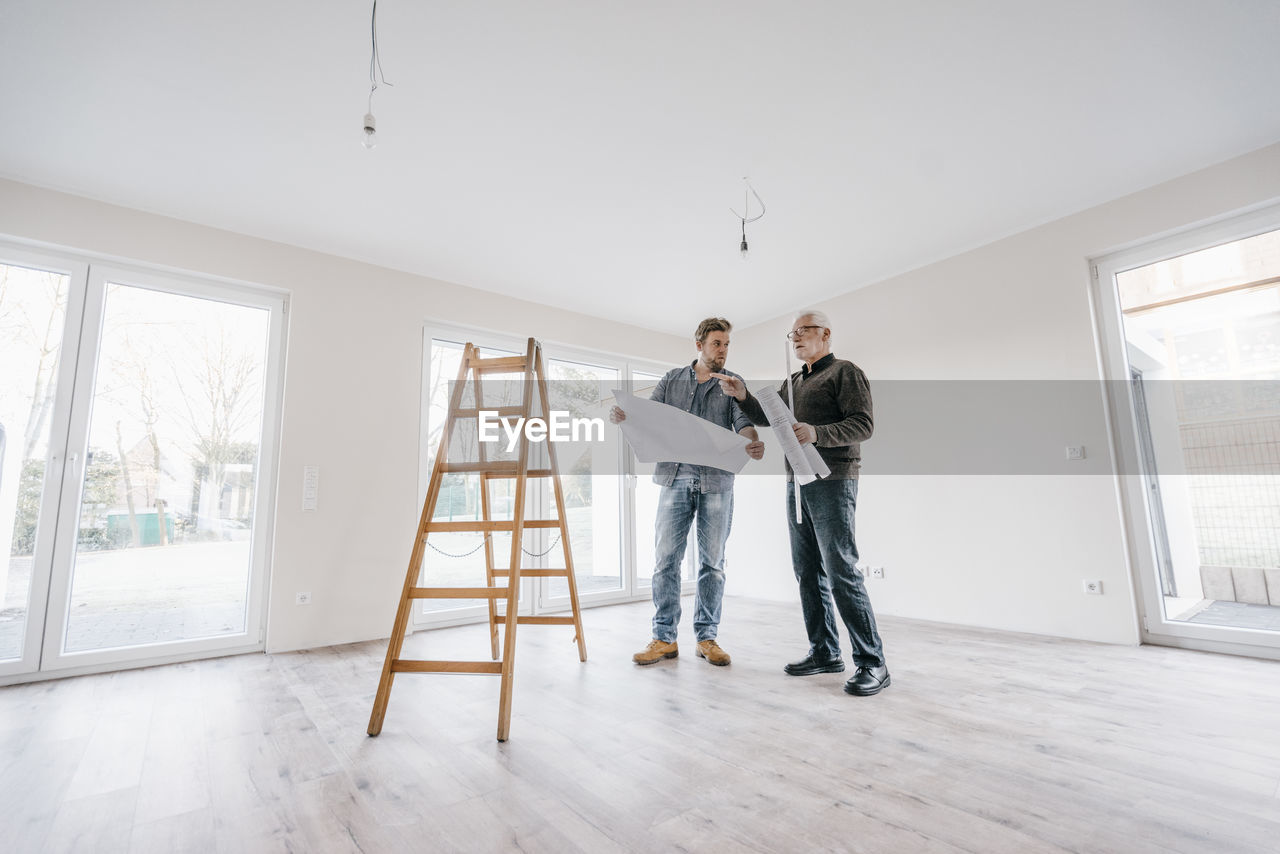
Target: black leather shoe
[(808, 666), (867, 681)]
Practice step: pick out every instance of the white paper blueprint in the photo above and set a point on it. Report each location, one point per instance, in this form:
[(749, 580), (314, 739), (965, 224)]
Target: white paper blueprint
[(807, 464), (659, 433)]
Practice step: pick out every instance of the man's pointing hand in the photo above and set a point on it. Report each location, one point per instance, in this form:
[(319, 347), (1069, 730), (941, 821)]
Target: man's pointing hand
[(732, 386)]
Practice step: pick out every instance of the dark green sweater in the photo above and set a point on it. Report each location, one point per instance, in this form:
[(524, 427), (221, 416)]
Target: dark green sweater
[(835, 397)]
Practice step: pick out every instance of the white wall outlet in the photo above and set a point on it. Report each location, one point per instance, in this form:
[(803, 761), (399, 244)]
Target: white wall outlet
[(877, 572), (1092, 587), (302, 598), (1075, 452)]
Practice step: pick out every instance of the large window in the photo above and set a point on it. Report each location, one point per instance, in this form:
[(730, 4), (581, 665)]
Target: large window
[(457, 559), (136, 426), (33, 316), (609, 509), (646, 508), (1191, 339), (591, 478)]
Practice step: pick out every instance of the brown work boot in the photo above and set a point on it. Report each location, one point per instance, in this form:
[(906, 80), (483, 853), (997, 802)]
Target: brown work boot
[(655, 652), (711, 651)]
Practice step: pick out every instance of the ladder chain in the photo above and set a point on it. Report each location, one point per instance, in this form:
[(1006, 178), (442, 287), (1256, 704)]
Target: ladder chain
[(439, 550), (464, 554), (548, 551)]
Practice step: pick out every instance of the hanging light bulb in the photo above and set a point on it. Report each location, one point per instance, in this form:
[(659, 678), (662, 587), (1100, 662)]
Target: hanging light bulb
[(370, 139), (745, 217)]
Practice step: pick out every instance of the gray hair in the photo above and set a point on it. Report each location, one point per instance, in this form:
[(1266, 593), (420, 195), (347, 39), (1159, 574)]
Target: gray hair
[(819, 317)]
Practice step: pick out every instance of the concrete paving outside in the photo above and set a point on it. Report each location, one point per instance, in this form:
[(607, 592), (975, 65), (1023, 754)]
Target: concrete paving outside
[(156, 594), (133, 597)]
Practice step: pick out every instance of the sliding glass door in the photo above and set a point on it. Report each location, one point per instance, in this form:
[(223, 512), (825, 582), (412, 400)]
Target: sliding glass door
[(645, 495), (457, 558), (602, 511), (1191, 339), (39, 326), (140, 480), (590, 476)]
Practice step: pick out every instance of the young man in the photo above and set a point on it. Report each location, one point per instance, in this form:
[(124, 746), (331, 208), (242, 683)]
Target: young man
[(690, 492), (833, 411)]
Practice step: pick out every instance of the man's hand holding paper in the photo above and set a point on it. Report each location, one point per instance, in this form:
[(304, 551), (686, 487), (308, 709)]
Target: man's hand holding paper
[(806, 464), (661, 433)]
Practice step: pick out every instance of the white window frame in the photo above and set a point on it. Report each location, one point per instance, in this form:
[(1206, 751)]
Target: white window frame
[(534, 596), (72, 415), (1125, 448), (484, 339), (27, 666), (689, 566), (626, 590)]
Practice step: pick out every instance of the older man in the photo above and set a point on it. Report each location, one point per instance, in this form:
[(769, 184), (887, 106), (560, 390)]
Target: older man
[(690, 491), (832, 409)]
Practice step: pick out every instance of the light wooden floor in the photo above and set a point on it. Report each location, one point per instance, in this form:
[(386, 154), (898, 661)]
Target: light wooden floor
[(986, 742)]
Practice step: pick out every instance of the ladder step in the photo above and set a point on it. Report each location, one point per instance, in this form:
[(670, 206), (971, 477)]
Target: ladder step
[(510, 468), (503, 411), (495, 475), (473, 525), (504, 363), (491, 525), (533, 573), (405, 665), (458, 593), (544, 621)]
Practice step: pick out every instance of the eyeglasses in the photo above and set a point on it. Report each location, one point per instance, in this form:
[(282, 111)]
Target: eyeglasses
[(799, 332)]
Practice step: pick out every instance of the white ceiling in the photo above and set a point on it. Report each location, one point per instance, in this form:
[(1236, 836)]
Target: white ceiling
[(586, 154)]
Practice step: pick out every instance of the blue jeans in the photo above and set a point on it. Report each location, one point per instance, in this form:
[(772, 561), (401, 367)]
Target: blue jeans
[(678, 504), (825, 557)]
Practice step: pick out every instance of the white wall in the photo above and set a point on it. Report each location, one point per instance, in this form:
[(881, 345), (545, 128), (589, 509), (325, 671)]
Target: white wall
[(352, 393), (1004, 551)]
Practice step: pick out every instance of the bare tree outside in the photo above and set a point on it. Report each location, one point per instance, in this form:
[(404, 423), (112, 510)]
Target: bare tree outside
[(32, 314), (33, 320), (164, 546), (163, 533), (221, 403), (138, 395)]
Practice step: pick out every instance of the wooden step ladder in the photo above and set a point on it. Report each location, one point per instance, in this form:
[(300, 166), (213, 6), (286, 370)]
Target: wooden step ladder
[(534, 375)]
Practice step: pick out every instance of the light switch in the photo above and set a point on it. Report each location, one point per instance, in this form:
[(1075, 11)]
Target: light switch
[(310, 487)]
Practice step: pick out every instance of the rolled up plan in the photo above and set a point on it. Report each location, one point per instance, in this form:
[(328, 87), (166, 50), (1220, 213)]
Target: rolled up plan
[(807, 464)]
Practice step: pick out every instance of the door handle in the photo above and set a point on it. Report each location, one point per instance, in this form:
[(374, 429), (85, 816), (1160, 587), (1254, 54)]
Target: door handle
[(70, 470)]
